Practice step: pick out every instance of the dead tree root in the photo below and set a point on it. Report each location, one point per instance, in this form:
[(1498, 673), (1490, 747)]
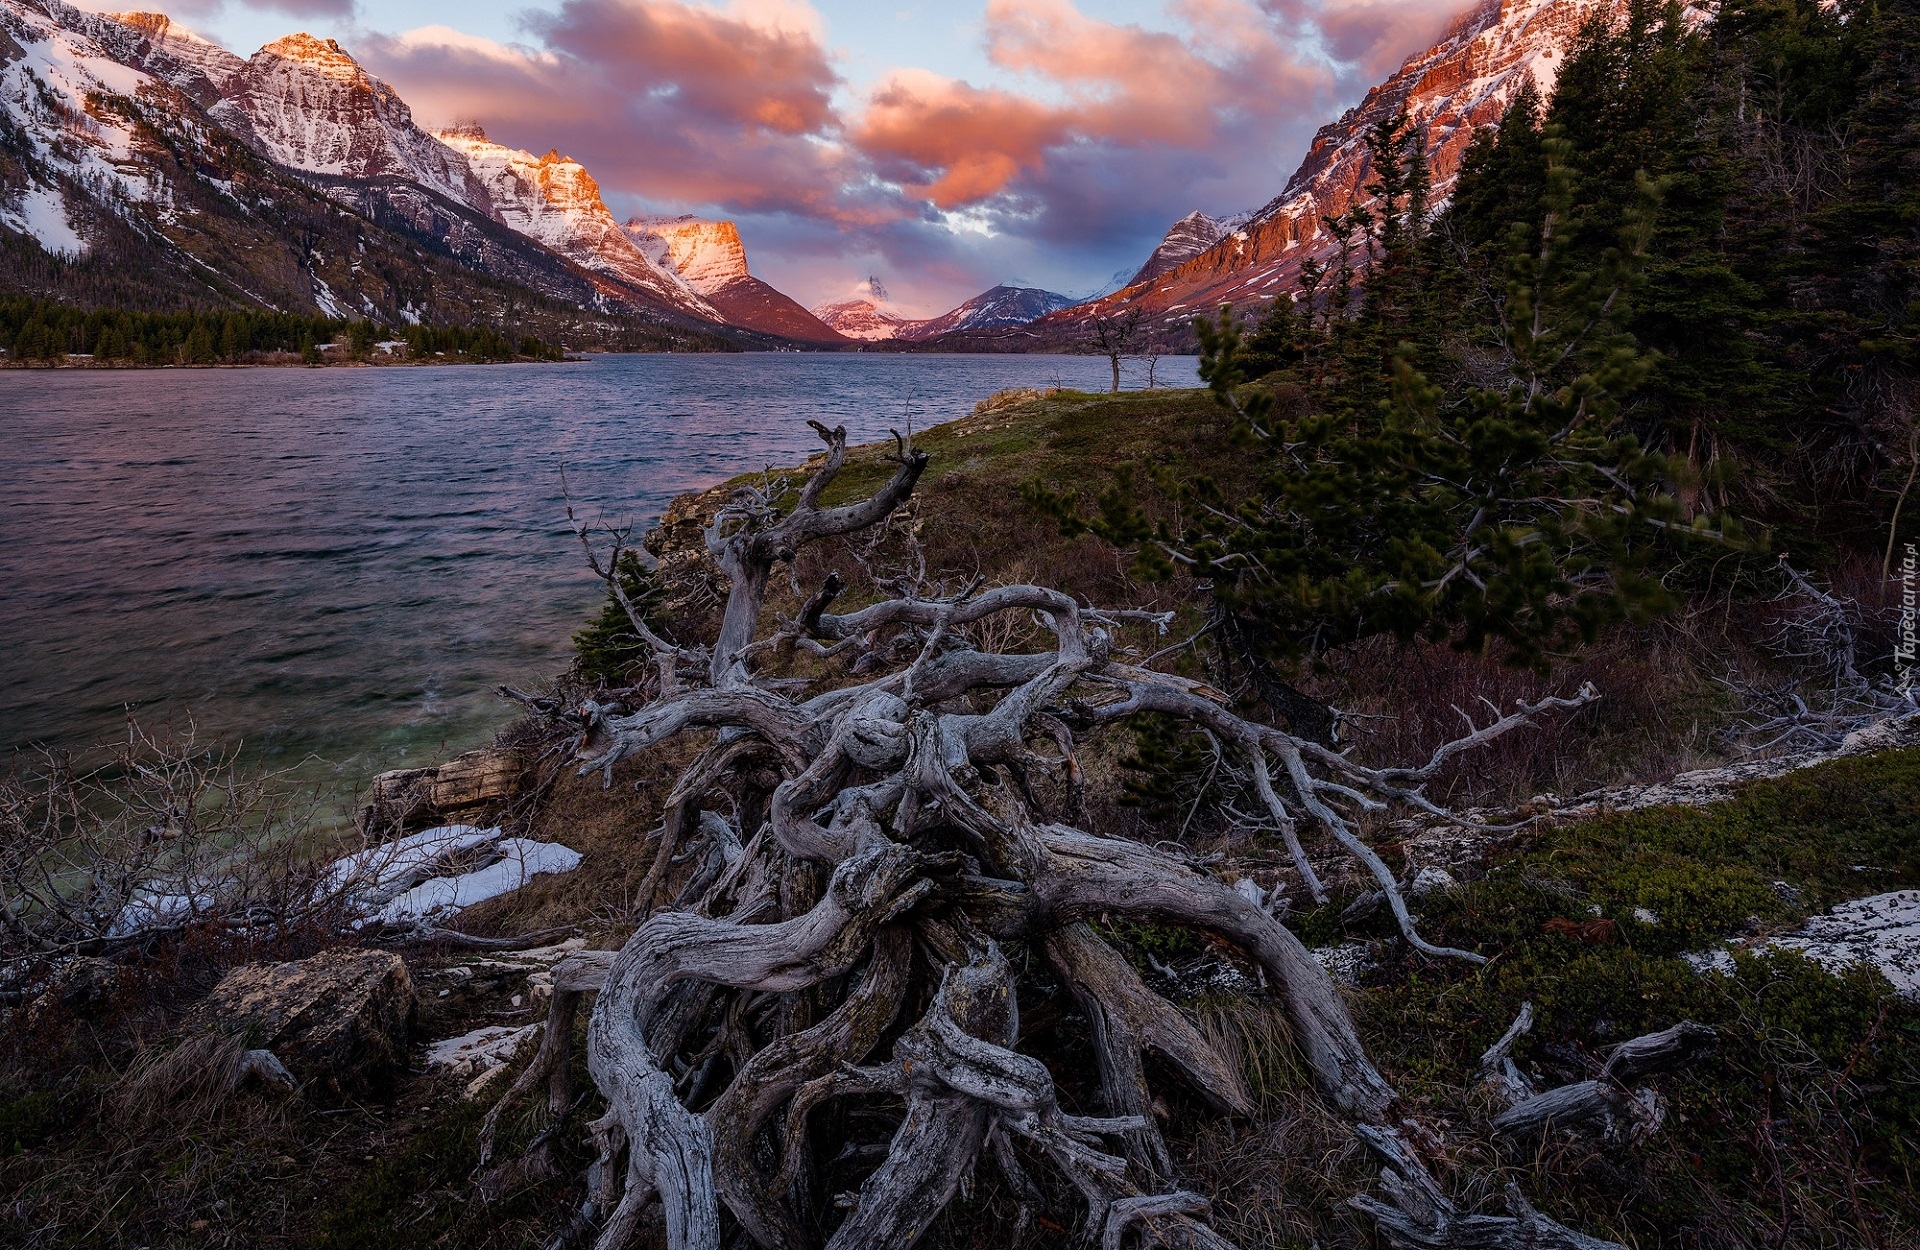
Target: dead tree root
[(860, 855)]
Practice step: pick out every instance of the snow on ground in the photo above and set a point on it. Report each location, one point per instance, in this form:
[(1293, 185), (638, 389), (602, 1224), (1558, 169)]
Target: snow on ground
[(324, 298), (442, 897), (1882, 931), (153, 909), (413, 880), (375, 875)]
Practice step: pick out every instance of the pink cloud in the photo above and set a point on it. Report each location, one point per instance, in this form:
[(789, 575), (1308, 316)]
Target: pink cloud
[(1096, 135), (1231, 85), (670, 101), (1368, 39)]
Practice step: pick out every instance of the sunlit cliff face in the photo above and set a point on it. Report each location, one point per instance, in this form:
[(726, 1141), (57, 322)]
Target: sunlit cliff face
[(554, 200)]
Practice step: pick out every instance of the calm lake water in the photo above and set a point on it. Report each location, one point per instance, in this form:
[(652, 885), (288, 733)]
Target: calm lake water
[(333, 567)]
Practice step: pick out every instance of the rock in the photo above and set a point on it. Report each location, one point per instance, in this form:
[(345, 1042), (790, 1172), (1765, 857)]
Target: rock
[(83, 989), (1882, 931), (1000, 401), (1431, 881), (1346, 963), (339, 1019), (482, 781)]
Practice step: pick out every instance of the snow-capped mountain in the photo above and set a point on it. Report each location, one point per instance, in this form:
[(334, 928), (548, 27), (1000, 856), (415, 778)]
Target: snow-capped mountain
[(992, 309), (553, 199), (1186, 239), (706, 254), (84, 97), (114, 143), (862, 319), (1000, 308), (313, 108), (1453, 89)]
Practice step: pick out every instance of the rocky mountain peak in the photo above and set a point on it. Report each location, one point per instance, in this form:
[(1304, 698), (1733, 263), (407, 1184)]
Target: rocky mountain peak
[(555, 201), (995, 308), (153, 25), (708, 254), (324, 56), (1452, 90), (175, 43), (312, 107), (1185, 239)]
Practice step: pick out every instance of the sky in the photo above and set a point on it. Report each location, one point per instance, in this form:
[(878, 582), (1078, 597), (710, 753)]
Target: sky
[(941, 147)]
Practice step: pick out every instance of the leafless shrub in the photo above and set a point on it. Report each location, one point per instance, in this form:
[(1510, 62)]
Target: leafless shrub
[(164, 839), (1830, 643)]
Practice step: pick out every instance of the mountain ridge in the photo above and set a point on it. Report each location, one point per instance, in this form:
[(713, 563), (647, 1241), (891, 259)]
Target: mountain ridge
[(1454, 88), (307, 108)]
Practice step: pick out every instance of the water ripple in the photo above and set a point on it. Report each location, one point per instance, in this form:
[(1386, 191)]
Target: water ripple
[(341, 563)]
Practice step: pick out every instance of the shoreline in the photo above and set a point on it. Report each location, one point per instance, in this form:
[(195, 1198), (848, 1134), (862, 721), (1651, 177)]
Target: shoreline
[(23, 366)]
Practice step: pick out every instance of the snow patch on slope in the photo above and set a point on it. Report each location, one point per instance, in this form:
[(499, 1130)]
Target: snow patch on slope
[(42, 213)]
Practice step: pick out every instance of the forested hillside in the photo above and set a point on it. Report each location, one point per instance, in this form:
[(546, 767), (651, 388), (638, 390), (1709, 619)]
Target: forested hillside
[(1728, 212)]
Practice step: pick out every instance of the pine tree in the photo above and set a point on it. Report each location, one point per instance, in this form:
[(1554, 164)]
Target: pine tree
[(607, 650), (1522, 513)]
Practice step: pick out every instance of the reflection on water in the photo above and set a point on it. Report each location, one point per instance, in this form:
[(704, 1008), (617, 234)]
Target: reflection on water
[(338, 565)]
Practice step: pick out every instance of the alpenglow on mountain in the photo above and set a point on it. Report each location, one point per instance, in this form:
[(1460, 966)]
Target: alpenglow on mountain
[(203, 174), (1453, 89), (709, 257), (997, 308)]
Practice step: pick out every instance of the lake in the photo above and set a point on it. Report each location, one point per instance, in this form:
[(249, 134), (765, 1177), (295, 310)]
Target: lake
[(334, 567)]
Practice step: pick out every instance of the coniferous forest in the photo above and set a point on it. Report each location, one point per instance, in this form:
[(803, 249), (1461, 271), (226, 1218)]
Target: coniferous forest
[(1710, 231)]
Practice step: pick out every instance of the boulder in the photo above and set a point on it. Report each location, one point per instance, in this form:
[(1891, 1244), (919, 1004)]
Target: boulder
[(85, 988), (478, 783), (339, 1019)]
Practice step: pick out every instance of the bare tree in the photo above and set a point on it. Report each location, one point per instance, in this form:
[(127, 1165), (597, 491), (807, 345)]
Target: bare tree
[(854, 850), (1114, 335)]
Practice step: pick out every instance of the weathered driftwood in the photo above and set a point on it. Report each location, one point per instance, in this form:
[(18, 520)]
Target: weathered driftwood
[(1420, 1216), (854, 851), (1609, 1100)]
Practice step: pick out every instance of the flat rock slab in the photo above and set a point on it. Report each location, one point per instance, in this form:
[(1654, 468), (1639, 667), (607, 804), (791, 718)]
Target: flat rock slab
[(482, 781), (339, 1019), (1882, 931)]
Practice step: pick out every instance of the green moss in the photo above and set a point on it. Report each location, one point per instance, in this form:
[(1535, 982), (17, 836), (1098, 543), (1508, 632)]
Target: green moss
[(1838, 831), (1811, 1103)]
